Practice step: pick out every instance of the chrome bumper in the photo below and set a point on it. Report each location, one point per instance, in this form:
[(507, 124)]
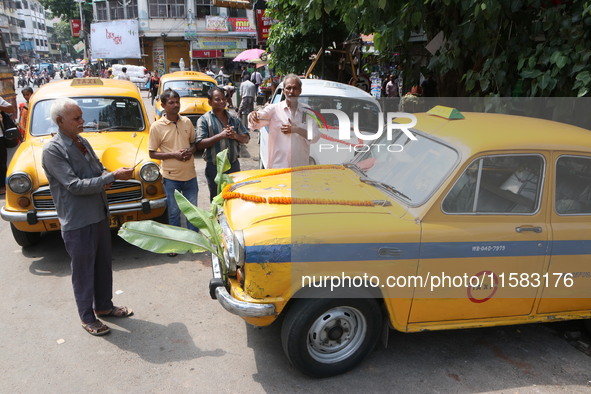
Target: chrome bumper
[(33, 216), (218, 291)]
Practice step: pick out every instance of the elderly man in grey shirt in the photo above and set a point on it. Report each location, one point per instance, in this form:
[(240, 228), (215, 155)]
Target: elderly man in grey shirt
[(77, 181)]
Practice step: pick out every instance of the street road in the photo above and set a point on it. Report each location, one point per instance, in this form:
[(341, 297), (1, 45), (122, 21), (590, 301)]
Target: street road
[(182, 341)]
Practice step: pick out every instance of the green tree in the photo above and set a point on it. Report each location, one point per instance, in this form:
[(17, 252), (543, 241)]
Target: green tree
[(294, 40), (68, 9), (63, 33), (491, 47)]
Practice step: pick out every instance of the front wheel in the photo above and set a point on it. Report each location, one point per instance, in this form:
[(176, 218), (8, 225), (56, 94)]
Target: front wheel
[(325, 337), (588, 325), (24, 238)]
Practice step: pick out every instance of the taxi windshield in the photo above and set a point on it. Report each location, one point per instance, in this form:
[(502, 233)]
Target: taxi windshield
[(189, 88), (410, 170), (99, 114)]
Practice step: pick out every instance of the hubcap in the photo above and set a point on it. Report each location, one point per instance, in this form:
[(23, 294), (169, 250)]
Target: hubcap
[(336, 334)]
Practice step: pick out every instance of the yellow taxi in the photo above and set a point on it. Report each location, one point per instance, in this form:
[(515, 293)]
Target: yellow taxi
[(481, 220), (192, 86), (117, 127)]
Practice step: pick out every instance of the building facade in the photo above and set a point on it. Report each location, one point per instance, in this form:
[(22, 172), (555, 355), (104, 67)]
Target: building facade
[(196, 31)]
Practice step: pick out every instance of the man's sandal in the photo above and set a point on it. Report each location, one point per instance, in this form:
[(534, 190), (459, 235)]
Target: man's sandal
[(117, 311), (96, 328)]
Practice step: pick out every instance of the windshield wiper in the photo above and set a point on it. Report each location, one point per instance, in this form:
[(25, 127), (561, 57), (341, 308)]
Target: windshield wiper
[(124, 128), (385, 186), (354, 167)]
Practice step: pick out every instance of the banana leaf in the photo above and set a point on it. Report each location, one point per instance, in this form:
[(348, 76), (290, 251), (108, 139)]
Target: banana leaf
[(162, 238), (200, 218), (222, 165)]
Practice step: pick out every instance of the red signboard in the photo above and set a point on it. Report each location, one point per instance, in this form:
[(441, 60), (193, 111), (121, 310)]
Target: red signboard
[(264, 23), (205, 53), (240, 25), (75, 27)]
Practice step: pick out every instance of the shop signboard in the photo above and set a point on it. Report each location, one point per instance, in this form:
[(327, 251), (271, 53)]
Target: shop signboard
[(264, 23), (115, 40), (216, 23), (206, 54), (240, 25)]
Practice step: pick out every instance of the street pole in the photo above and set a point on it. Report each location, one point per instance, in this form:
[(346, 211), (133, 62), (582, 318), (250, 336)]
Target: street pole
[(82, 33)]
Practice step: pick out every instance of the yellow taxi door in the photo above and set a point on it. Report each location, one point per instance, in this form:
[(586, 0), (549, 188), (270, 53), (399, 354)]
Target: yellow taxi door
[(485, 241), (568, 282)]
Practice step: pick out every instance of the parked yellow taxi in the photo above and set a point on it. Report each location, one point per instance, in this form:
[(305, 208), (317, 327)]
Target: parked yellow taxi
[(483, 220), (192, 86), (117, 127)]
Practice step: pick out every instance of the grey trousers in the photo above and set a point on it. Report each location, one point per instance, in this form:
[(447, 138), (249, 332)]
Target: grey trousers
[(89, 248)]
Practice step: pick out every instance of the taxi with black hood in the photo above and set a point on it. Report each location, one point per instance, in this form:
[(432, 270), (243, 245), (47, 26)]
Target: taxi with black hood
[(462, 220), (117, 127)]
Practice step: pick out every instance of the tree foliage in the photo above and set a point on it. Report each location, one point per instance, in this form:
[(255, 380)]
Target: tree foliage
[(68, 9), (491, 47), (296, 38)]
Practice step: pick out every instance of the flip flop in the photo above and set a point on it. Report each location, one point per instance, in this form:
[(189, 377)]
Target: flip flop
[(117, 311), (96, 328)]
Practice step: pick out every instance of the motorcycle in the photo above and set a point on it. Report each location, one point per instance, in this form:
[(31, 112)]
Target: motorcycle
[(38, 80), (22, 81)]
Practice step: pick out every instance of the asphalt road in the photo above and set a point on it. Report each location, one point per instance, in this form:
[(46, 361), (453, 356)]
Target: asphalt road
[(182, 341)]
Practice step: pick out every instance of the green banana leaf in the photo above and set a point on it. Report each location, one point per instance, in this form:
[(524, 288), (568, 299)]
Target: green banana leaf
[(222, 165), (163, 238), (200, 218)]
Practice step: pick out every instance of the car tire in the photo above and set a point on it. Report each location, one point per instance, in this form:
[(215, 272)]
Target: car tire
[(587, 324), (24, 238), (324, 337)]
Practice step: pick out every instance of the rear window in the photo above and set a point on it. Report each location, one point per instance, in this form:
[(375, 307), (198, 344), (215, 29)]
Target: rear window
[(189, 88)]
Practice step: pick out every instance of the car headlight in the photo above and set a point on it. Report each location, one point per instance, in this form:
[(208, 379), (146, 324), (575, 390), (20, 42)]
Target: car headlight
[(20, 183), (238, 241), (150, 172)]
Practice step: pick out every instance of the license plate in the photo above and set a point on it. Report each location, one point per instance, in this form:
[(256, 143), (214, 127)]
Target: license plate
[(114, 221)]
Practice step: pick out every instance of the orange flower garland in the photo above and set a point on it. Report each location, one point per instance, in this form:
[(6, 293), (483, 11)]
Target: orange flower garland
[(228, 195)]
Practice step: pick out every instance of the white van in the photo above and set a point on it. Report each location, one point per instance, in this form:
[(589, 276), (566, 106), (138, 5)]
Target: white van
[(320, 94)]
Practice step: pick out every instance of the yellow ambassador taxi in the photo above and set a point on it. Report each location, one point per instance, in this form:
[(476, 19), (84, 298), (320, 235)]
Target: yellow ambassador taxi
[(484, 220), (117, 127), (192, 86)]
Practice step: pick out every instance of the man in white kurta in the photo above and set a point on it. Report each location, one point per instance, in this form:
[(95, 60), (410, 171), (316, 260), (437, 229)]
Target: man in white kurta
[(287, 122)]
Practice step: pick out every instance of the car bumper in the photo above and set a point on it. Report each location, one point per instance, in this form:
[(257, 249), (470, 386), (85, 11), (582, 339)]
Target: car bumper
[(33, 216), (218, 291)]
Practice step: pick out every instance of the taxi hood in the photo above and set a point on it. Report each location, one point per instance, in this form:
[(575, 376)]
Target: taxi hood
[(120, 149), (194, 105), (317, 191)]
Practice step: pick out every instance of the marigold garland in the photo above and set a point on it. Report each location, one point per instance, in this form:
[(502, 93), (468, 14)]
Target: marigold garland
[(228, 195)]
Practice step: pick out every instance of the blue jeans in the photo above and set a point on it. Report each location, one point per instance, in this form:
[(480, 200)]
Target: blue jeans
[(188, 189)]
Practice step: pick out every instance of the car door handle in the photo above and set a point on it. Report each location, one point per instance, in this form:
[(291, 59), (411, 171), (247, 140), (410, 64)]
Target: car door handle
[(390, 252), (521, 229)]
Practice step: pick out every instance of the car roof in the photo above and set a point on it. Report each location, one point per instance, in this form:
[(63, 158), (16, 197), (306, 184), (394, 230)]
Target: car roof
[(321, 87), (187, 75), (69, 88), (479, 132)]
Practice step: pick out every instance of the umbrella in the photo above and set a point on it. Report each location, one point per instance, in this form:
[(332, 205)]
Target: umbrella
[(250, 55), (13, 60)]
